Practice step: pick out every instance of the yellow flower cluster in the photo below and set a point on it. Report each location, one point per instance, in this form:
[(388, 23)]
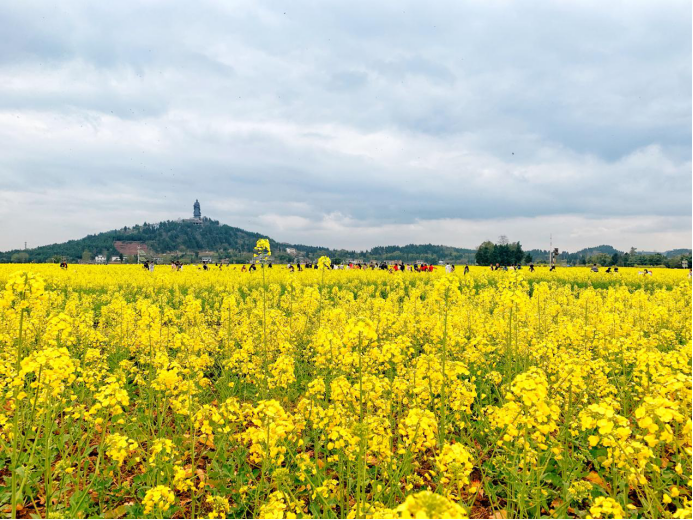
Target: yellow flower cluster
[(158, 499), (455, 465), (423, 505), (605, 507), (271, 428), (118, 447), (528, 414), (219, 506)]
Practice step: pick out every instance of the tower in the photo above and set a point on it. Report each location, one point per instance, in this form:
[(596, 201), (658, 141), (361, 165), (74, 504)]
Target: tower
[(196, 210)]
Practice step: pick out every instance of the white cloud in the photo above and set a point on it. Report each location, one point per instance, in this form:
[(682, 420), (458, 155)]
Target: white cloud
[(355, 125)]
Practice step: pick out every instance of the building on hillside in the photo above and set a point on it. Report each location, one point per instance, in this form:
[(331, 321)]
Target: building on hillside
[(115, 259), (292, 251), (207, 259), (100, 259)]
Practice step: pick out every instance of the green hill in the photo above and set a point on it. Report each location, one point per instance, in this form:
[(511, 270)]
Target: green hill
[(179, 237)]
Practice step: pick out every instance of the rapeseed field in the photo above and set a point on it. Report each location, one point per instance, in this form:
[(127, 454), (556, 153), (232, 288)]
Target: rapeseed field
[(344, 393)]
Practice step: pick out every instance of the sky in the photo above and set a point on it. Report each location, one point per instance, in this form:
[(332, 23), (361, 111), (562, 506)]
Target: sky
[(350, 124)]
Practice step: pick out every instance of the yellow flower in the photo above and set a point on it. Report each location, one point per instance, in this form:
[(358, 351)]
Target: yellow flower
[(159, 498), (324, 262), (606, 507)]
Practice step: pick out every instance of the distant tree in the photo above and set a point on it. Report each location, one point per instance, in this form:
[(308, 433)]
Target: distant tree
[(86, 256), (516, 252), (504, 255), (600, 259), (485, 253), (528, 258), (676, 262), (20, 258)]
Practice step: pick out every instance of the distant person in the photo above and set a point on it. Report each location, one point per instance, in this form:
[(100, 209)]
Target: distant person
[(448, 268), (531, 268), (243, 269), (151, 267), (608, 269), (615, 269), (595, 269), (466, 269), (553, 267)]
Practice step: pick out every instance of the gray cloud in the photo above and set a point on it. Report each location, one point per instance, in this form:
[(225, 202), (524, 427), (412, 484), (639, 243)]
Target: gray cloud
[(325, 124)]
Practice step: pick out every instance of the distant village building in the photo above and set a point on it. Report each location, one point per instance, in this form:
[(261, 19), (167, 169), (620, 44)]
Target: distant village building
[(100, 259), (292, 251), (115, 259), (207, 259)]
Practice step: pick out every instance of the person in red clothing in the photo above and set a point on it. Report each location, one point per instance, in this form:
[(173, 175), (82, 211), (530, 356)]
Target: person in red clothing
[(430, 268)]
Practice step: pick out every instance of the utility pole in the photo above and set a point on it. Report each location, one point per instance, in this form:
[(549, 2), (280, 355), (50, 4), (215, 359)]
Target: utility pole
[(553, 253)]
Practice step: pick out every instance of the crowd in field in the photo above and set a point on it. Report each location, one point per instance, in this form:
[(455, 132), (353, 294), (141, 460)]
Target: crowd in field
[(391, 267)]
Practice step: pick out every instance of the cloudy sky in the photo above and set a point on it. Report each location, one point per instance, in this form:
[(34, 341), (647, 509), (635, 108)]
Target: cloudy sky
[(350, 124)]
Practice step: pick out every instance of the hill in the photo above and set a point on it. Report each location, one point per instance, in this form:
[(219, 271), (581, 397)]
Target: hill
[(179, 238)]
